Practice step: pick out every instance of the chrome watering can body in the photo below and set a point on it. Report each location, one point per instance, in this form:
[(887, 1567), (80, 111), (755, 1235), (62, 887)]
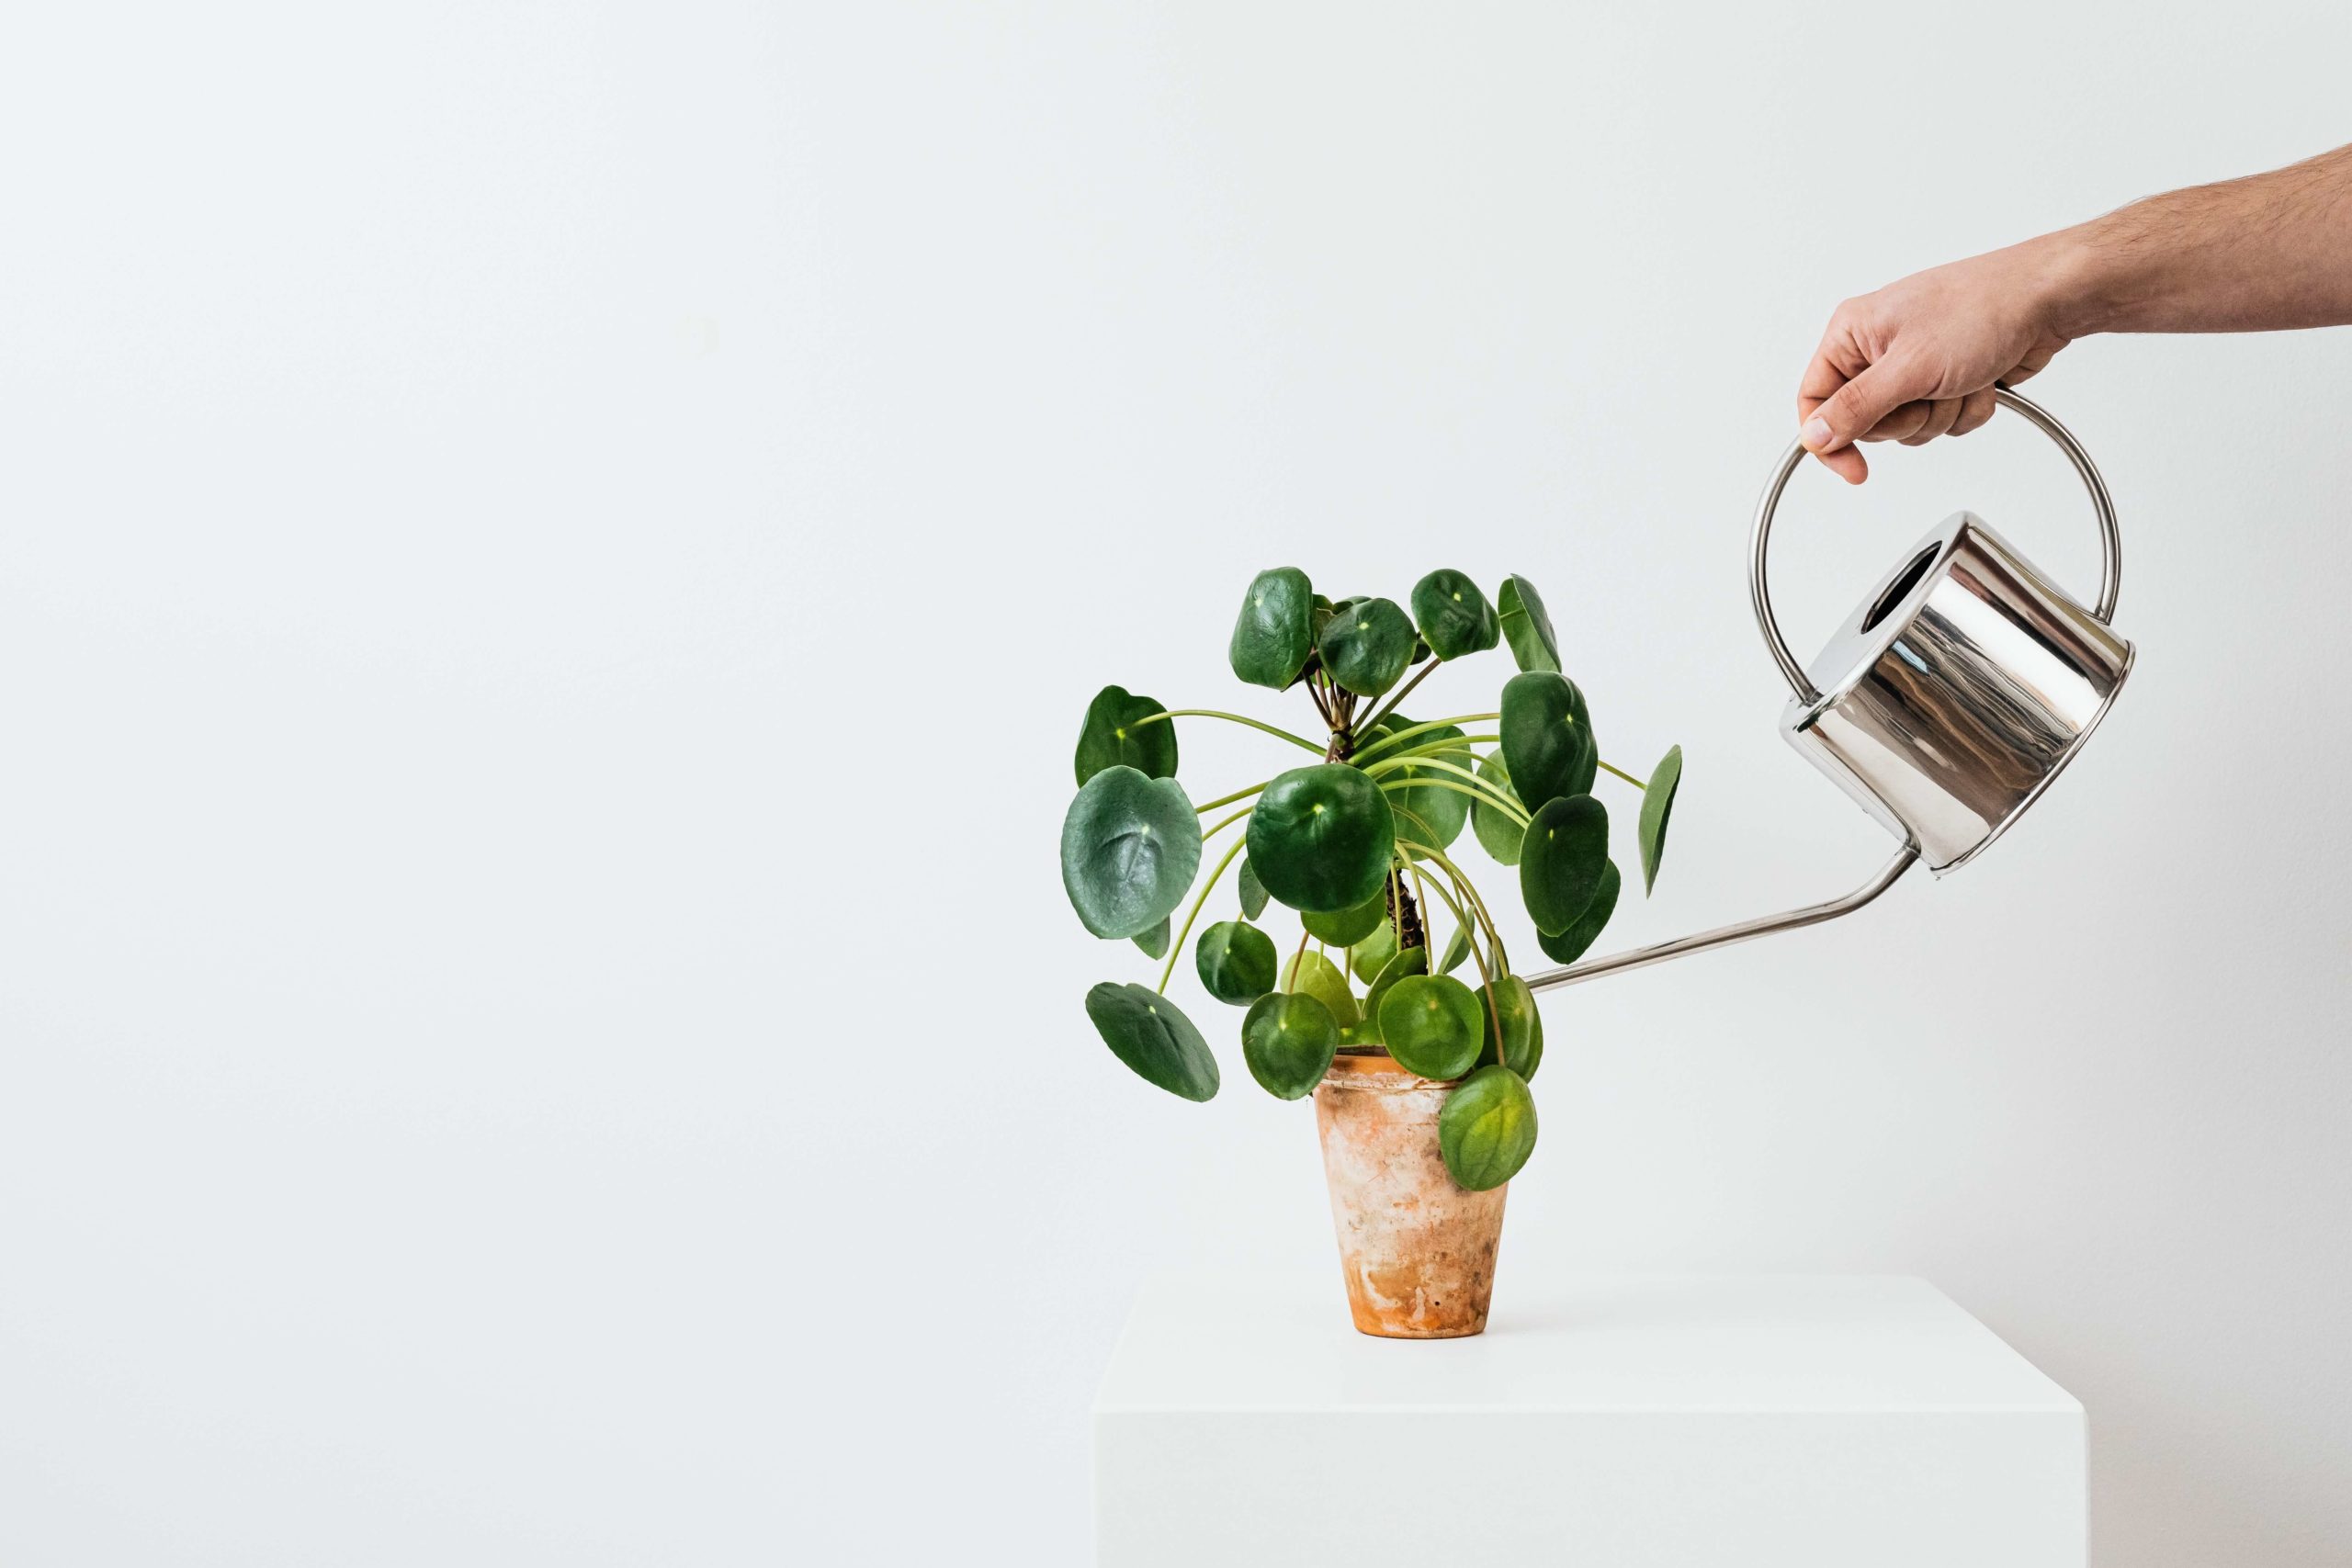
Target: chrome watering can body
[(1948, 702)]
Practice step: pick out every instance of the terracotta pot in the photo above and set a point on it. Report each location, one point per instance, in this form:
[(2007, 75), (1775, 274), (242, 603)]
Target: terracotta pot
[(1418, 1251)]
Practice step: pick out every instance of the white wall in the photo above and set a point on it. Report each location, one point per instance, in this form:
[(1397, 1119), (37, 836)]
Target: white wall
[(552, 560)]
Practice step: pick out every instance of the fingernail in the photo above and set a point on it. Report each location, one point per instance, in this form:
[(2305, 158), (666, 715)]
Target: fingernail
[(1815, 435)]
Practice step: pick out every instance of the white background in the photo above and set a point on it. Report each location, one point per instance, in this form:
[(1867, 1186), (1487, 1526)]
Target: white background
[(551, 559)]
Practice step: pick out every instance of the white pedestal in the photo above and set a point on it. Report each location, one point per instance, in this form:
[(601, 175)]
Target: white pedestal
[(1766, 1422)]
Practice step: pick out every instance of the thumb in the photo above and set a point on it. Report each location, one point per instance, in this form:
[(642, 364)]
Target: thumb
[(1846, 414)]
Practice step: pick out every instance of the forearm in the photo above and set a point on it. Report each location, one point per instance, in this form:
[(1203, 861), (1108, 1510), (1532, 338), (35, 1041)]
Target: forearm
[(2266, 253)]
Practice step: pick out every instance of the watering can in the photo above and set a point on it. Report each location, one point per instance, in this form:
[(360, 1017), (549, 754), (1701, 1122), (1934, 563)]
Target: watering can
[(1948, 702)]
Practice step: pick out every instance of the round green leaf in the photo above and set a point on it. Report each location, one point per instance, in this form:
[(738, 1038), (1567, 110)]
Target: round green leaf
[(1571, 944), (1145, 1030), (1431, 1024), (1321, 838), (1510, 1015), (1499, 834), (1403, 967), (1422, 808), (1274, 633), (1236, 962), (1345, 928), (1547, 738), (1520, 611), (1454, 615), (1487, 1128), (1288, 1040), (1367, 645), (1130, 846), (1315, 975), (1154, 941), (1561, 862), (1368, 957), (1657, 805), (1253, 892), (1112, 737)]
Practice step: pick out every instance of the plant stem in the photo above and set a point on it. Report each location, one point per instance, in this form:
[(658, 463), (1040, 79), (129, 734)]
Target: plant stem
[(1485, 976), (1176, 948), (1496, 801), (1623, 775), (1229, 799), (1481, 788), (1221, 827), (1387, 742), (1469, 889), (1402, 692), (1234, 718)]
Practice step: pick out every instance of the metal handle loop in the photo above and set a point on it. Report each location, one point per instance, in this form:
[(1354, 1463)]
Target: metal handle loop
[(2110, 542)]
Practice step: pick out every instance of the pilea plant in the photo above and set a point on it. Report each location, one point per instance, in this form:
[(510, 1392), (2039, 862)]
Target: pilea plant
[(1357, 844)]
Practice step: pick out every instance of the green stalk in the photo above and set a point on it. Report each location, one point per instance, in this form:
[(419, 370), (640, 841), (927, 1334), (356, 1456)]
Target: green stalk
[(1469, 888), (1626, 776), (1234, 718), (1410, 730), (1402, 692), (1229, 799), (1507, 807), (1176, 948), (1228, 822)]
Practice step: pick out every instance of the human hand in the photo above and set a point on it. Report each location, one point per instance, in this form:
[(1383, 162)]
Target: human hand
[(1919, 358)]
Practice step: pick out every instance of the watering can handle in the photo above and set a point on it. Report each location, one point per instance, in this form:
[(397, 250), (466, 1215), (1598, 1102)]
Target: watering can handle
[(2111, 544)]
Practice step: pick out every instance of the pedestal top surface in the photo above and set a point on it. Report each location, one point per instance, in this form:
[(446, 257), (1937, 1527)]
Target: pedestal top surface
[(1575, 1343)]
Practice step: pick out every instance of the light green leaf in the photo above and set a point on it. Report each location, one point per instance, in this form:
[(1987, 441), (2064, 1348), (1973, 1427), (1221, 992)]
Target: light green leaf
[(1312, 974), (1345, 928), (1253, 892), (1487, 1128), (1511, 1017), (1154, 941), (1431, 1024), (1499, 834), (1657, 805)]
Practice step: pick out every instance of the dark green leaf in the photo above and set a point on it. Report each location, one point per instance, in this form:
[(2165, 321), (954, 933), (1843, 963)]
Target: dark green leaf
[(1547, 738), (1562, 860), (1274, 633), (1148, 1033), (1403, 967), (1154, 941), (1112, 737), (1321, 838), (1487, 1128), (1431, 1024), (1657, 805), (1498, 833), (1253, 892), (1130, 846), (1288, 1040), (1510, 1014), (1236, 962), (1315, 975), (1345, 928), (1366, 645), (1572, 943), (1520, 610), (1454, 615)]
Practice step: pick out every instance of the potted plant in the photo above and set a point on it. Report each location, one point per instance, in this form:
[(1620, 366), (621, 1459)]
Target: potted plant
[(1420, 1067)]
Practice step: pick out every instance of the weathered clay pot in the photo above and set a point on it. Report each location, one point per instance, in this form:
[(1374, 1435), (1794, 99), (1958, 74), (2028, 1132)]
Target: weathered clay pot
[(1418, 1251)]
